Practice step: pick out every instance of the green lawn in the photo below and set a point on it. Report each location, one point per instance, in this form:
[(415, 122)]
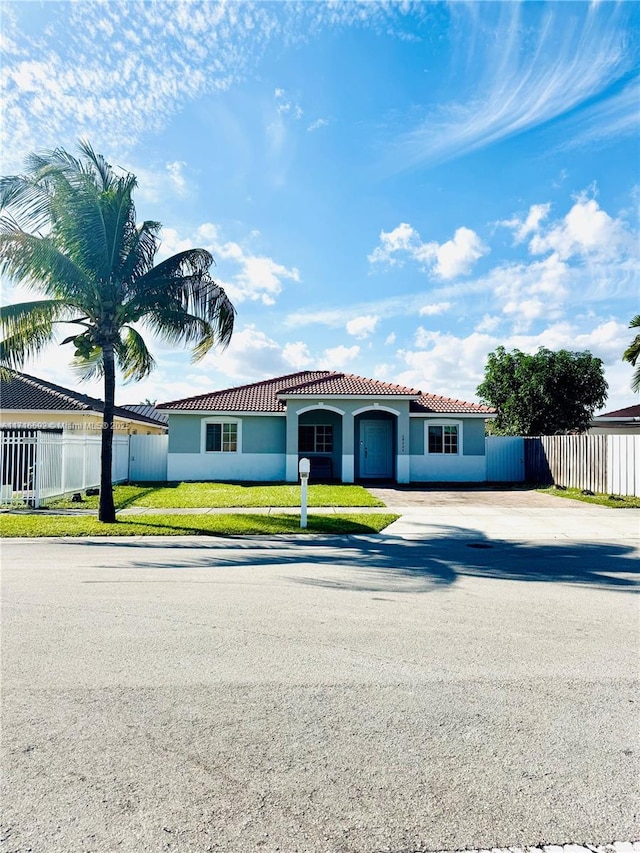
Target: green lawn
[(36, 525), (198, 495), (612, 501)]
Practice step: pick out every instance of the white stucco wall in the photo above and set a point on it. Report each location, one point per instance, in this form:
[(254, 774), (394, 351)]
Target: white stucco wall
[(226, 466)]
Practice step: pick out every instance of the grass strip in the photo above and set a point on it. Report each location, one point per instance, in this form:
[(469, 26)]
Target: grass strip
[(225, 495), (34, 525), (611, 501)]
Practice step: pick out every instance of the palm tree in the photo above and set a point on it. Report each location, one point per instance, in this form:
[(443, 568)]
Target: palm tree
[(69, 232), (632, 354)]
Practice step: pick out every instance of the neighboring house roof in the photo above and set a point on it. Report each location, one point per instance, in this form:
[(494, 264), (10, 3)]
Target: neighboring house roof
[(148, 411), (630, 412), (271, 394), (23, 393)]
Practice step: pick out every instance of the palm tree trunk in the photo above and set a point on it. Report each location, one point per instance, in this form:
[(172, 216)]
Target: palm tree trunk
[(107, 512)]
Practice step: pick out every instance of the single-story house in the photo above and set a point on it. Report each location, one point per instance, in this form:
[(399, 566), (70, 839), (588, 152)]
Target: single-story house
[(350, 427), (30, 403), (619, 422)]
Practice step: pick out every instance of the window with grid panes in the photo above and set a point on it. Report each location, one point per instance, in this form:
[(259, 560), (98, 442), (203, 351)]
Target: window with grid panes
[(222, 438), (315, 438), (443, 438)]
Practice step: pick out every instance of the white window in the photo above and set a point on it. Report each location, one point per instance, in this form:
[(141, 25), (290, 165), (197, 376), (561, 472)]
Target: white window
[(221, 436), (444, 438)]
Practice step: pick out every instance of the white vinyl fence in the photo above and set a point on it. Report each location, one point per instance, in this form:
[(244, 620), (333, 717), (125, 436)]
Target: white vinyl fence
[(36, 465), (148, 458), (623, 465)]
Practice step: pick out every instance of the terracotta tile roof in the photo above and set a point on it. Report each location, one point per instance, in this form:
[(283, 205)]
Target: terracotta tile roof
[(629, 412), (21, 392), (432, 403), (257, 397), (349, 385), (267, 396)]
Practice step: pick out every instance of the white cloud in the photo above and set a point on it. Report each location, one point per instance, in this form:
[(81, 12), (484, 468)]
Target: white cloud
[(452, 365), (318, 123), (447, 260), (585, 230), (297, 355), (616, 116), (339, 358), (530, 291), (391, 338), (434, 308), (285, 106), (522, 228), (564, 63), (162, 183), (259, 278), (251, 356), (176, 175), (362, 327), (457, 257), (488, 324), (402, 239), (122, 71)]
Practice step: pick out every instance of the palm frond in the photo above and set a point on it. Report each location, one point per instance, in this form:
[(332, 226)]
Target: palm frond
[(37, 260), (26, 199), (202, 319), (182, 285), (100, 166), (27, 328), (134, 359), (632, 354), (44, 163), (190, 263), (30, 196), (88, 367), (141, 252)]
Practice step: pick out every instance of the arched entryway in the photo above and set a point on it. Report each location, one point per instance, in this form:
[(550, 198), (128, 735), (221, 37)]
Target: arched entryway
[(375, 445), (320, 440)]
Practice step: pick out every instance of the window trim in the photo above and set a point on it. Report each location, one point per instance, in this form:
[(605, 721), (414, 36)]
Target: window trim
[(237, 422), (442, 422)]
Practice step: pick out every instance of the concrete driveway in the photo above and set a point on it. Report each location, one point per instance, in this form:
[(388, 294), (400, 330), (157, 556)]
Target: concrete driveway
[(345, 695), (503, 513)]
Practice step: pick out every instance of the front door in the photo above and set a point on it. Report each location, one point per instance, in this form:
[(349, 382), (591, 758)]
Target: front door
[(376, 449)]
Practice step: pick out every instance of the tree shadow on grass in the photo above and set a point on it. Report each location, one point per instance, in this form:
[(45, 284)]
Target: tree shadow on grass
[(368, 563)]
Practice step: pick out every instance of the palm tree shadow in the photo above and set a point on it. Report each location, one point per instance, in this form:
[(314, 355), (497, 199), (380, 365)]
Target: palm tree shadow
[(379, 563)]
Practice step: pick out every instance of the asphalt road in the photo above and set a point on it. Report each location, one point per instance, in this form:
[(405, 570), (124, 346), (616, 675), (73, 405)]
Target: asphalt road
[(356, 694)]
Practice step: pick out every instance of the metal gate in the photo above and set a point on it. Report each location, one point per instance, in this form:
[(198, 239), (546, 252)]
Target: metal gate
[(505, 458), (148, 458)]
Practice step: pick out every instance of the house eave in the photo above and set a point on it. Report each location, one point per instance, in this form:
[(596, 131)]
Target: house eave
[(232, 413), (378, 397), (477, 415)]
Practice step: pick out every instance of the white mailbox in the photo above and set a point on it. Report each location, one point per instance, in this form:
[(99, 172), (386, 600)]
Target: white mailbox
[(304, 467)]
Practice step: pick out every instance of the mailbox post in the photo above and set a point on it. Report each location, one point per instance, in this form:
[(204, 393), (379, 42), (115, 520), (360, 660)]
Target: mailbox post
[(304, 467)]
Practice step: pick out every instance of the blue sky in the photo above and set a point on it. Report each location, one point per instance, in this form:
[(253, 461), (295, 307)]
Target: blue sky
[(388, 189)]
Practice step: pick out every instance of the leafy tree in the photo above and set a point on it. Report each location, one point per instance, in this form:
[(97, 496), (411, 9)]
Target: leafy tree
[(542, 394), (69, 232), (632, 354)]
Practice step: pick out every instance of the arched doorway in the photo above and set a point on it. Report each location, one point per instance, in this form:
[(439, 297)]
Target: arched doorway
[(375, 436)]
